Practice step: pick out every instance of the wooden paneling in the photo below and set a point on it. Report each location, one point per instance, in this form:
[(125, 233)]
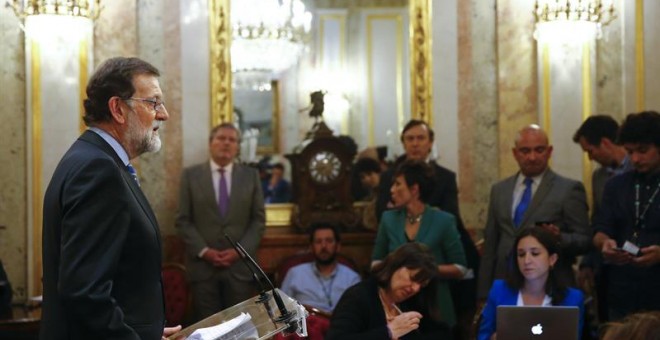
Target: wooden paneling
[(276, 247)]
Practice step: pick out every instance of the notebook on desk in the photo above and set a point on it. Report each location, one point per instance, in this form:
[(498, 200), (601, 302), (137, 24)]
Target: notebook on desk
[(537, 323)]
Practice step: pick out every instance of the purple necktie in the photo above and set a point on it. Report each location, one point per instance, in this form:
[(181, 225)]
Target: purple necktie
[(223, 197)]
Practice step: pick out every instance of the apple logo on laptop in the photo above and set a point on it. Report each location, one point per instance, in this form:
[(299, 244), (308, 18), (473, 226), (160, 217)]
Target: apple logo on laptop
[(537, 329)]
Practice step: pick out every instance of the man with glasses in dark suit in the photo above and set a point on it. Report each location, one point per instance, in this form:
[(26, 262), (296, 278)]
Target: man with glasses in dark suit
[(101, 241)]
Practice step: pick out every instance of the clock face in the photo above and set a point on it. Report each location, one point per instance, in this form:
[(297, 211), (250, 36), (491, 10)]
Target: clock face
[(324, 167)]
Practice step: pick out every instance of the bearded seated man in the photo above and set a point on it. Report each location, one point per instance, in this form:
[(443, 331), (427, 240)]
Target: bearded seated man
[(320, 283)]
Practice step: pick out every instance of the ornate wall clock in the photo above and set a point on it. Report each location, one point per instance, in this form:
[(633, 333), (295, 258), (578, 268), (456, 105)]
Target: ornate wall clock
[(321, 180)]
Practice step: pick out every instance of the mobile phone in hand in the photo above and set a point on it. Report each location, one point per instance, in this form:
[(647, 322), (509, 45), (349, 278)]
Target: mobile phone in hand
[(542, 222)]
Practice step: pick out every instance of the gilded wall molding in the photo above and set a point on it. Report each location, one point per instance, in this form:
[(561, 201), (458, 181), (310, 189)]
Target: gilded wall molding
[(220, 47), (420, 60), (83, 62), (35, 287), (639, 55)]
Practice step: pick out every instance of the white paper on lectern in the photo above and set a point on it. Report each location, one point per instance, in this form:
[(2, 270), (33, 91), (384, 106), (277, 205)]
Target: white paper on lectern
[(238, 326)]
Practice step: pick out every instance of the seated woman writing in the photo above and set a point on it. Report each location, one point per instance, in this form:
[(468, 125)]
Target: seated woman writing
[(530, 281), (413, 220), (394, 302)]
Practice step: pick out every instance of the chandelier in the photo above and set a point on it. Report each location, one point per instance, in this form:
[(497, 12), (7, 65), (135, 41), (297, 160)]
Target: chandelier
[(77, 8), (572, 20), (595, 11), (268, 37)]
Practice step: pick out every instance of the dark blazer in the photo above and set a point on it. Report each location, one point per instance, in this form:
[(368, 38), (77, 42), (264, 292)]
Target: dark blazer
[(503, 295), (359, 315), (200, 225), (281, 193), (558, 199), (101, 250)]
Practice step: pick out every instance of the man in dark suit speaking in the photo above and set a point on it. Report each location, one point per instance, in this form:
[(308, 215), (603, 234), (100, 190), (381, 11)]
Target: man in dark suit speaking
[(219, 197), (101, 240)]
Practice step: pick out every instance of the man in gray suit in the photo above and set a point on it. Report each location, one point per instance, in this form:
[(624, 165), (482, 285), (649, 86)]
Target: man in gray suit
[(535, 195), (220, 197)]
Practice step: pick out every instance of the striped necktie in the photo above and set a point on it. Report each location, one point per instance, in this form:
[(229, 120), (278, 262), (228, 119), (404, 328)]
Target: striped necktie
[(131, 170)]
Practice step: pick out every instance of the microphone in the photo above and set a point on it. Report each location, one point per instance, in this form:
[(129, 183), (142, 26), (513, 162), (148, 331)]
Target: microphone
[(285, 315)]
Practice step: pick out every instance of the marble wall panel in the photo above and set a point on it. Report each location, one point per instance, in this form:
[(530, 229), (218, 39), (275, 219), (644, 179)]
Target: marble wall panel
[(516, 72), (159, 42), (445, 83), (609, 70), (651, 59), (477, 110), (115, 30), (13, 173), (195, 88)]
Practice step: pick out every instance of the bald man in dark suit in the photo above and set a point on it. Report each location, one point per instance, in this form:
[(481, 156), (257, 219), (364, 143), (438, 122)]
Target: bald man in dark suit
[(555, 202)]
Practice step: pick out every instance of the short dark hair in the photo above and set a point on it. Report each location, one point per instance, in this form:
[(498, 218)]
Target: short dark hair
[(555, 287), (642, 128), (225, 125), (349, 142), (416, 122), (420, 173), (366, 165), (278, 166), (114, 77), (324, 225), (411, 255), (595, 128)]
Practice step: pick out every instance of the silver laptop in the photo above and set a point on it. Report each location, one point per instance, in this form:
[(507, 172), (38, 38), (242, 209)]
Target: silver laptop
[(537, 323)]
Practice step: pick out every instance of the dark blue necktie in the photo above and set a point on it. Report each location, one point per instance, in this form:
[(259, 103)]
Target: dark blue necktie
[(131, 170), (524, 202)]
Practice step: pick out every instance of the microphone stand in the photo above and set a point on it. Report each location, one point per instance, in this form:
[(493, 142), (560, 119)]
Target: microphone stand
[(286, 316)]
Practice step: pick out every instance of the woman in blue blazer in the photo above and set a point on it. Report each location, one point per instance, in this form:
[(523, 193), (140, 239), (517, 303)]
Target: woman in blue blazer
[(530, 281), (416, 221)]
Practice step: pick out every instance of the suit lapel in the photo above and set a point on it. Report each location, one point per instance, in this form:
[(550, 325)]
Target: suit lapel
[(142, 200), (237, 179), (540, 194), (95, 139), (507, 199), (208, 192)]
